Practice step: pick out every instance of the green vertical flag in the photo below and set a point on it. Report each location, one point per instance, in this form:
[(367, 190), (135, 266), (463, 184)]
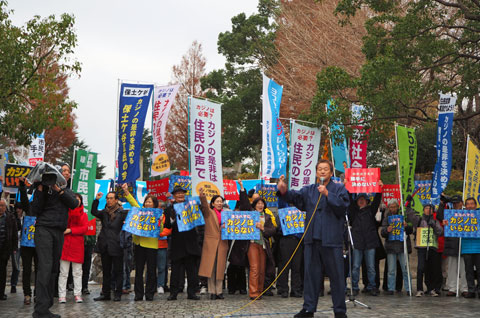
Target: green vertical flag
[(407, 160), (84, 178)]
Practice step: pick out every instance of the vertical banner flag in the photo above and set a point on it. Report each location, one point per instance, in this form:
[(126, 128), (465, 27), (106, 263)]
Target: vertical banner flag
[(472, 171), (407, 160), (304, 149), (339, 148), (84, 183), (443, 166), (163, 98), (205, 147), (134, 101), (36, 150), (363, 180), (274, 144), (358, 142)]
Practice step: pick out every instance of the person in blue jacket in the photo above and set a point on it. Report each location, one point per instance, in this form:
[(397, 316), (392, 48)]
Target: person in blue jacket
[(324, 237)]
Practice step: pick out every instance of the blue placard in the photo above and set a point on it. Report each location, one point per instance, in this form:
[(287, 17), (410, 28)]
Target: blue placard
[(269, 193), (292, 220), (462, 223), (28, 231), (143, 222), (189, 215), (240, 225), (183, 181), (396, 222)]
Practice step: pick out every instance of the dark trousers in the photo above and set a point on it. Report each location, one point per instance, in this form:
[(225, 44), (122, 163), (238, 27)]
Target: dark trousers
[(87, 264), (4, 256), (189, 263), (316, 258), (236, 278), (15, 270), (429, 268), (287, 246), (471, 261), (28, 257), (146, 256), (48, 246), (110, 263)]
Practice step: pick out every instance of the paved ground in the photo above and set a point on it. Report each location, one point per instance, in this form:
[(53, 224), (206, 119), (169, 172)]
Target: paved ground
[(382, 306)]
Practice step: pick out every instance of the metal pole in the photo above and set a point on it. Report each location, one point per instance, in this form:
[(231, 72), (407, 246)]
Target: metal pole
[(73, 166), (405, 236), (116, 134)]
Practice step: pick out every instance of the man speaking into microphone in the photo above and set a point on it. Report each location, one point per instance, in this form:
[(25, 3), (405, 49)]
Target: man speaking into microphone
[(325, 204)]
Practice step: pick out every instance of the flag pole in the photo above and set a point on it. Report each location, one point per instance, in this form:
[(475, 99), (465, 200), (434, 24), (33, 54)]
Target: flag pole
[(73, 166), (405, 236), (115, 158)]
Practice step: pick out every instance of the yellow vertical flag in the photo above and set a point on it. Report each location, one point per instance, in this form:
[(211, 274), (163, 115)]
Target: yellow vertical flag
[(471, 182)]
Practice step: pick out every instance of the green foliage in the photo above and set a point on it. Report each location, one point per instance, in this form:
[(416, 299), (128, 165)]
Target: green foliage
[(146, 152), (32, 58)]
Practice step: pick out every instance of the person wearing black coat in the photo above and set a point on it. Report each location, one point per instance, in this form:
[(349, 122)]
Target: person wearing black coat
[(184, 251), (8, 243), (365, 238), (395, 249), (51, 205), (108, 244)]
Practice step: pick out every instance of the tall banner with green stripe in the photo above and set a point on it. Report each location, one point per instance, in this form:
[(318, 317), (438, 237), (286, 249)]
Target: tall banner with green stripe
[(84, 183), (407, 159)]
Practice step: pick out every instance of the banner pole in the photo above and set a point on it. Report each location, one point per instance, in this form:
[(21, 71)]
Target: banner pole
[(292, 122), (73, 166), (116, 134), (405, 236), (188, 132), (151, 138)]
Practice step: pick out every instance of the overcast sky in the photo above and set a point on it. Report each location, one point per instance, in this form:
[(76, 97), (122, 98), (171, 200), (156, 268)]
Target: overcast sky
[(130, 40)]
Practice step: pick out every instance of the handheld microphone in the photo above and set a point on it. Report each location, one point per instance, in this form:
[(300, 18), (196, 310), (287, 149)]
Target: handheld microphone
[(322, 180)]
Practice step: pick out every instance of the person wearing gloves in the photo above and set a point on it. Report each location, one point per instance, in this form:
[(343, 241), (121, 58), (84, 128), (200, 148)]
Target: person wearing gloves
[(73, 252), (395, 249), (428, 257)]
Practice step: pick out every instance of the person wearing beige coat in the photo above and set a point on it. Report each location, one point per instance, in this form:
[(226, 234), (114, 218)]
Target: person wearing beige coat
[(215, 250)]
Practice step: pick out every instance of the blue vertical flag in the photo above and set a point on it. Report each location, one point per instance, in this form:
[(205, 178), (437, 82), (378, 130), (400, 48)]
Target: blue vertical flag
[(274, 143), (134, 102), (443, 166), (339, 149)]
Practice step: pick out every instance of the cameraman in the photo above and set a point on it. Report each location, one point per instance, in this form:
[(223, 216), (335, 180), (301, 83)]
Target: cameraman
[(51, 205)]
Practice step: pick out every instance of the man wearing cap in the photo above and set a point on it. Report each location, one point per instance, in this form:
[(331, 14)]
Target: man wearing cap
[(451, 250), (184, 251), (365, 238)]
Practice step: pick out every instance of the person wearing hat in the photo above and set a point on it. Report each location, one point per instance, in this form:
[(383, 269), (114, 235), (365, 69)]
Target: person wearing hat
[(184, 251), (395, 249), (451, 250), (365, 238)]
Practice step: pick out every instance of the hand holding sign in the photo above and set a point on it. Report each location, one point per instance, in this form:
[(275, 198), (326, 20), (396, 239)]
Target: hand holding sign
[(282, 185)]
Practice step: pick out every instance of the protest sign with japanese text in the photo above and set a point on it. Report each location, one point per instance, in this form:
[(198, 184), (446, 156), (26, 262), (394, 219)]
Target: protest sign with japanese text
[(185, 182), (163, 98), (28, 231), (304, 147), (426, 238), (362, 180), (205, 147), (143, 222), (230, 190), (134, 101), (240, 225), (189, 215), (398, 230), (158, 188), (292, 220), (424, 193), (13, 173), (269, 193), (472, 173), (391, 192), (36, 151), (462, 223)]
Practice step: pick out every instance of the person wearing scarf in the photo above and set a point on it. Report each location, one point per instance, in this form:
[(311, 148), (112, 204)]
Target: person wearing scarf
[(108, 244), (214, 250)]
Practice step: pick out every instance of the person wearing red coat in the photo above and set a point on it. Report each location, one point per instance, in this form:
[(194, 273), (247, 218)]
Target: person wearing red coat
[(73, 251)]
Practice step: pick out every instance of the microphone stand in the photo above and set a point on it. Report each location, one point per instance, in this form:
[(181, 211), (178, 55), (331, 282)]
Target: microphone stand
[(351, 296)]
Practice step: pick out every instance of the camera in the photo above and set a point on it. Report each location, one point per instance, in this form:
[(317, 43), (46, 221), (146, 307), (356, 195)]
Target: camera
[(46, 174)]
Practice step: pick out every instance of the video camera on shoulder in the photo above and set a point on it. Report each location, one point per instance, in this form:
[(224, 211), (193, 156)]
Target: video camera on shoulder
[(46, 174)]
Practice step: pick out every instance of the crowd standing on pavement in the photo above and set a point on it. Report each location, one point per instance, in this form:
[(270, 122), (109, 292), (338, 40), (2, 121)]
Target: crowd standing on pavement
[(213, 265)]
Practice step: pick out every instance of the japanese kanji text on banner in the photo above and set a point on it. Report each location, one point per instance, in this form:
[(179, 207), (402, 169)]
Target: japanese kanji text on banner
[(472, 171), (303, 155), (205, 147), (163, 99), (134, 100), (358, 142), (36, 150)]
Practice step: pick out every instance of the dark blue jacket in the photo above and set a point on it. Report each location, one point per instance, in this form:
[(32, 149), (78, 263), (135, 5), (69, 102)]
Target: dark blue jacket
[(329, 221)]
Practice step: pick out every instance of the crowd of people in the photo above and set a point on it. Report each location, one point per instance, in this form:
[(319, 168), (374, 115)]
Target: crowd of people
[(63, 252)]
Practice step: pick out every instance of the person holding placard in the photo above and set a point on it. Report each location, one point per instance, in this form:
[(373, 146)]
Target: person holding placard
[(108, 244), (393, 230), (214, 249), (184, 250), (471, 255), (428, 229), (325, 204)]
